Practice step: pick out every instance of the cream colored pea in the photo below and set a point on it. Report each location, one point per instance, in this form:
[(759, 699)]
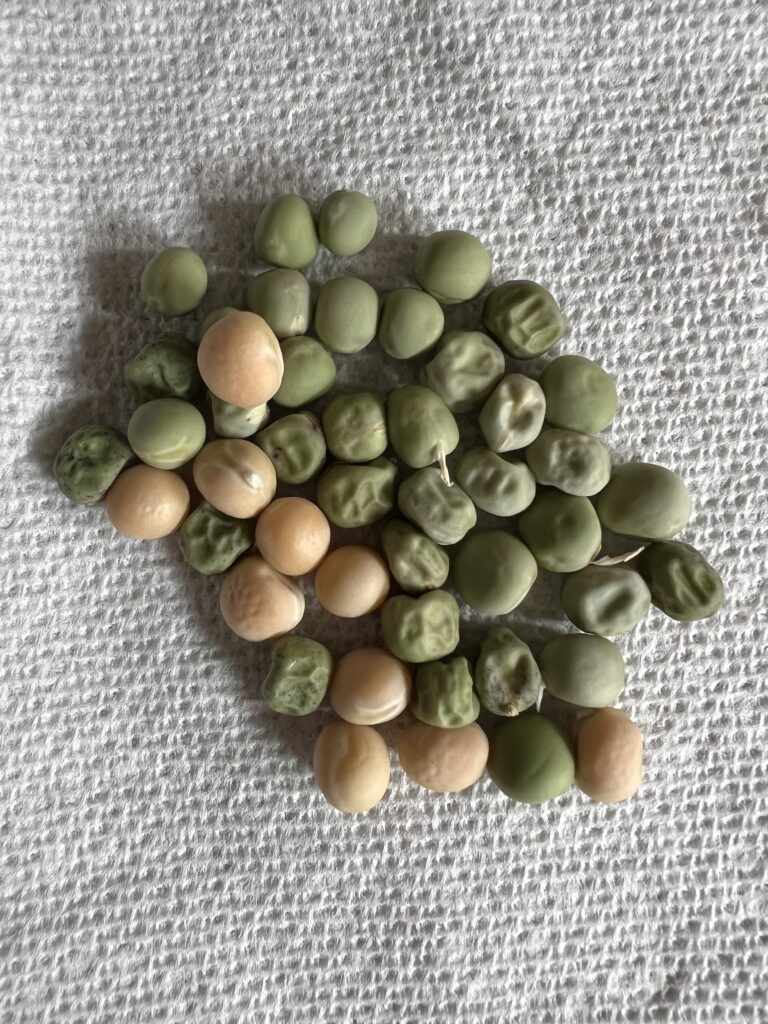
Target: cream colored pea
[(352, 581), (351, 765), (235, 476), (369, 686), (257, 602), (609, 756), (240, 360), (293, 535), (443, 760), (147, 503)]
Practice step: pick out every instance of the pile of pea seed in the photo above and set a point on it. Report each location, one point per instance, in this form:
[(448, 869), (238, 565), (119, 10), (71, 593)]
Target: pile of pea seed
[(391, 466)]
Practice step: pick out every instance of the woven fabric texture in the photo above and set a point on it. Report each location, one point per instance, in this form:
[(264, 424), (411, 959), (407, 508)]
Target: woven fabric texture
[(164, 854)]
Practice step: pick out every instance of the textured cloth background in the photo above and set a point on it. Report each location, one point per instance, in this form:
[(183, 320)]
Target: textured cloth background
[(164, 854)]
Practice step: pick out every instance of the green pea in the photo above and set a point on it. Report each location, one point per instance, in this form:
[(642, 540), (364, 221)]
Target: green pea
[(308, 372), (562, 531), (513, 414), (174, 281), (419, 629), (443, 694), (166, 432), (606, 599), (643, 500), (506, 675), (235, 420), (346, 314), (465, 369), (682, 582), (454, 266), (89, 462), (524, 317), (503, 487), (283, 298), (530, 759), (214, 316), (347, 222), (421, 426), (166, 368), (285, 234), (411, 323), (583, 669), (299, 673), (357, 495), (415, 561), (572, 462), (211, 541), (295, 445), (493, 571), (355, 427), (443, 512), (580, 394)]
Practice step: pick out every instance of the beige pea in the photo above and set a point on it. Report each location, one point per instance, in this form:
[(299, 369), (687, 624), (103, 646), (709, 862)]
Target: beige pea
[(369, 686), (293, 535), (351, 764), (609, 756), (352, 581), (257, 602), (240, 360), (443, 760), (235, 476), (147, 503)]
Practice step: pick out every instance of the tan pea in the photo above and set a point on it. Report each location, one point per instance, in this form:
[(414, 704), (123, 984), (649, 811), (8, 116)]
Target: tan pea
[(352, 581), (443, 760), (351, 764), (609, 756), (240, 360), (235, 476), (257, 602), (293, 535), (147, 503), (369, 686)]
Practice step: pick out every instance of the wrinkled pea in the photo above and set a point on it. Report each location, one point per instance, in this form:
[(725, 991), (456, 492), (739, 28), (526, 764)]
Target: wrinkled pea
[(174, 281), (682, 582), (572, 462), (357, 495), (347, 222), (493, 571), (443, 512), (166, 432), (420, 426), (524, 317), (443, 694), (285, 234), (580, 394), (606, 599), (530, 759), (346, 314), (644, 500), (214, 316), (235, 420), (513, 415), (562, 531), (583, 669), (419, 629), (411, 323), (211, 541), (284, 299), (415, 561), (453, 266), (299, 673), (308, 372), (507, 677), (166, 368), (503, 487), (465, 369), (89, 462), (355, 427), (295, 446)]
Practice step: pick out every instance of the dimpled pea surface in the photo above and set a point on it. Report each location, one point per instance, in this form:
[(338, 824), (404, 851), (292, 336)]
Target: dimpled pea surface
[(465, 369), (346, 314), (299, 673), (346, 222), (415, 561), (445, 514), (235, 420), (503, 487), (493, 571), (561, 530), (606, 599), (166, 432), (355, 427), (643, 500), (282, 298), (308, 372), (524, 317), (682, 582), (583, 669), (530, 759), (507, 677), (453, 266), (443, 694), (572, 462), (420, 425), (357, 495), (174, 281), (580, 394), (211, 541), (411, 323), (513, 414), (295, 445), (285, 233), (166, 368), (419, 629), (89, 462)]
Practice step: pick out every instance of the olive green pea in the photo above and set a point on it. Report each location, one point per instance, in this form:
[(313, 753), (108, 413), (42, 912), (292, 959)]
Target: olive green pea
[(411, 323), (606, 599), (561, 530), (503, 487), (580, 394), (283, 298), (299, 673), (357, 495), (415, 561), (453, 266), (421, 427), (346, 314), (214, 316), (572, 462), (682, 582), (347, 222), (524, 317), (285, 234), (166, 368), (493, 571), (583, 669), (355, 427), (419, 629), (236, 420), (308, 372), (513, 414), (443, 512), (507, 677), (89, 462), (166, 432), (643, 500), (443, 695), (211, 541), (465, 369), (174, 281), (295, 445), (530, 760)]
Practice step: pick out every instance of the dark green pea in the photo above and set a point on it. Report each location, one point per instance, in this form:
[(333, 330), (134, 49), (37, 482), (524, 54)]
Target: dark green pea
[(580, 394), (443, 512), (416, 562), (643, 500), (347, 222), (493, 571), (530, 760), (583, 669), (513, 414), (214, 316), (606, 599), (506, 675), (443, 694), (357, 495), (524, 317), (346, 314), (235, 420), (295, 445), (411, 323), (308, 372), (419, 629), (572, 462), (283, 298), (89, 462), (211, 541), (355, 427), (454, 266), (166, 368), (562, 531), (503, 487), (298, 677), (682, 582), (465, 369), (285, 234), (174, 281), (421, 426)]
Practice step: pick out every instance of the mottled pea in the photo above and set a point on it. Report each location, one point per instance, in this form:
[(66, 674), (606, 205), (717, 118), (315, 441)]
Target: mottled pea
[(415, 561), (503, 487), (295, 445), (524, 317), (443, 695), (357, 495), (89, 462), (507, 677), (419, 629), (211, 541), (355, 427), (445, 513), (299, 673)]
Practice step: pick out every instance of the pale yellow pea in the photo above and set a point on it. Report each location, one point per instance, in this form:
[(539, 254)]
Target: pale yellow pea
[(609, 756), (147, 503), (352, 581), (293, 535), (443, 760), (369, 686), (257, 602), (235, 476), (351, 764), (240, 360)]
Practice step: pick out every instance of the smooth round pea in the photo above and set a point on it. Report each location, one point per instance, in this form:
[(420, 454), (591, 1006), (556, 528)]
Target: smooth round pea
[(572, 462), (257, 602), (346, 222), (284, 299), (443, 512), (352, 581), (166, 368), (503, 487), (351, 765), (420, 426), (89, 462), (644, 500), (166, 432), (562, 531), (411, 323), (453, 266), (443, 694), (240, 360), (285, 234), (443, 760), (355, 427), (308, 372), (524, 317), (415, 561), (580, 394), (298, 677), (211, 541), (609, 756), (493, 571), (419, 629), (606, 599), (293, 535), (214, 316), (513, 414), (147, 503), (465, 369), (682, 582), (507, 677), (583, 669), (235, 476), (295, 445), (370, 686), (174, 281), (234, 420), (530, 759), (346, 314), (357, 495)]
